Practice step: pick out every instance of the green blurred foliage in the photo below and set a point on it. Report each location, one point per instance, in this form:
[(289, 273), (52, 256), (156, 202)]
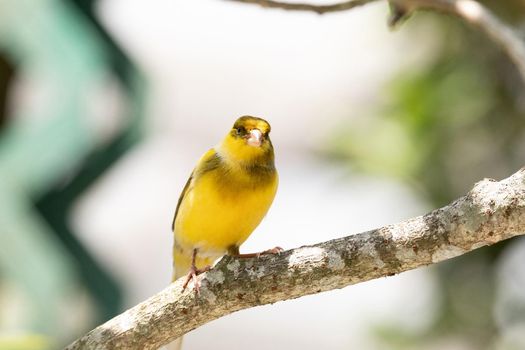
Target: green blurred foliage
[(462, 115), (49, 157), (441, 128)]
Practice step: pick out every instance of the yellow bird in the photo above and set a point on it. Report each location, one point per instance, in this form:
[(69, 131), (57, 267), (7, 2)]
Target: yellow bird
[(224, 200)]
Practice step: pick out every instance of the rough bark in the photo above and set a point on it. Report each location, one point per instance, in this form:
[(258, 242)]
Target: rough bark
[(491, 212)]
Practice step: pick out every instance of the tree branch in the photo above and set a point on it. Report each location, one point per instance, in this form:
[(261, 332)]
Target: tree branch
[(469, 10), (319, 9), (491, 212)]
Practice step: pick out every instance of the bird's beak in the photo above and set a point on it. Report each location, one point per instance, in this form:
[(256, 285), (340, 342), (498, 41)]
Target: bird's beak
[(255, 137)]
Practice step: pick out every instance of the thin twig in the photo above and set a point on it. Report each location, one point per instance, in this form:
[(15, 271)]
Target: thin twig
[(319, 9), (491, 212), (469, 10)]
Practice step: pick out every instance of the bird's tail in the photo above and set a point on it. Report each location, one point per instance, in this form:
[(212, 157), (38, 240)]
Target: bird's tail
[(181, 265), (174, 345)]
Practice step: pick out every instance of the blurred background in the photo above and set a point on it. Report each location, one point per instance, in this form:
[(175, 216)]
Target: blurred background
[(105, 106)]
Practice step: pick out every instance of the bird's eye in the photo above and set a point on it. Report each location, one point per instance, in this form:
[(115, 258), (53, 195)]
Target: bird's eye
[(240, 130)]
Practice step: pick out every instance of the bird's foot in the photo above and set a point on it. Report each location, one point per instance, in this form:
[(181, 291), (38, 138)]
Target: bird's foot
[(192, 275), (275, 250)]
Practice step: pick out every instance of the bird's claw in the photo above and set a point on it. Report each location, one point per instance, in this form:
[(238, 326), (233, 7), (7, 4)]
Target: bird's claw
[(192, 275), (274, 250)]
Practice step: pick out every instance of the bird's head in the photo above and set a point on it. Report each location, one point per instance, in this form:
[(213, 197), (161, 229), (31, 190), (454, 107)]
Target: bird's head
[(248, 139)]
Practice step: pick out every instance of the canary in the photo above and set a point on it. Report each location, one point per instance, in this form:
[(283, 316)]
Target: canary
[(224, 200)]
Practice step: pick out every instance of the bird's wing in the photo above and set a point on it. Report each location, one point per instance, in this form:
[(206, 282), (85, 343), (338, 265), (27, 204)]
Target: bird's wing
[(181, 197), (209, 161)]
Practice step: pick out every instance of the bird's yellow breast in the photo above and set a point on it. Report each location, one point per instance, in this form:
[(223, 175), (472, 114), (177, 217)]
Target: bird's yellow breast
[(221, 211)]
